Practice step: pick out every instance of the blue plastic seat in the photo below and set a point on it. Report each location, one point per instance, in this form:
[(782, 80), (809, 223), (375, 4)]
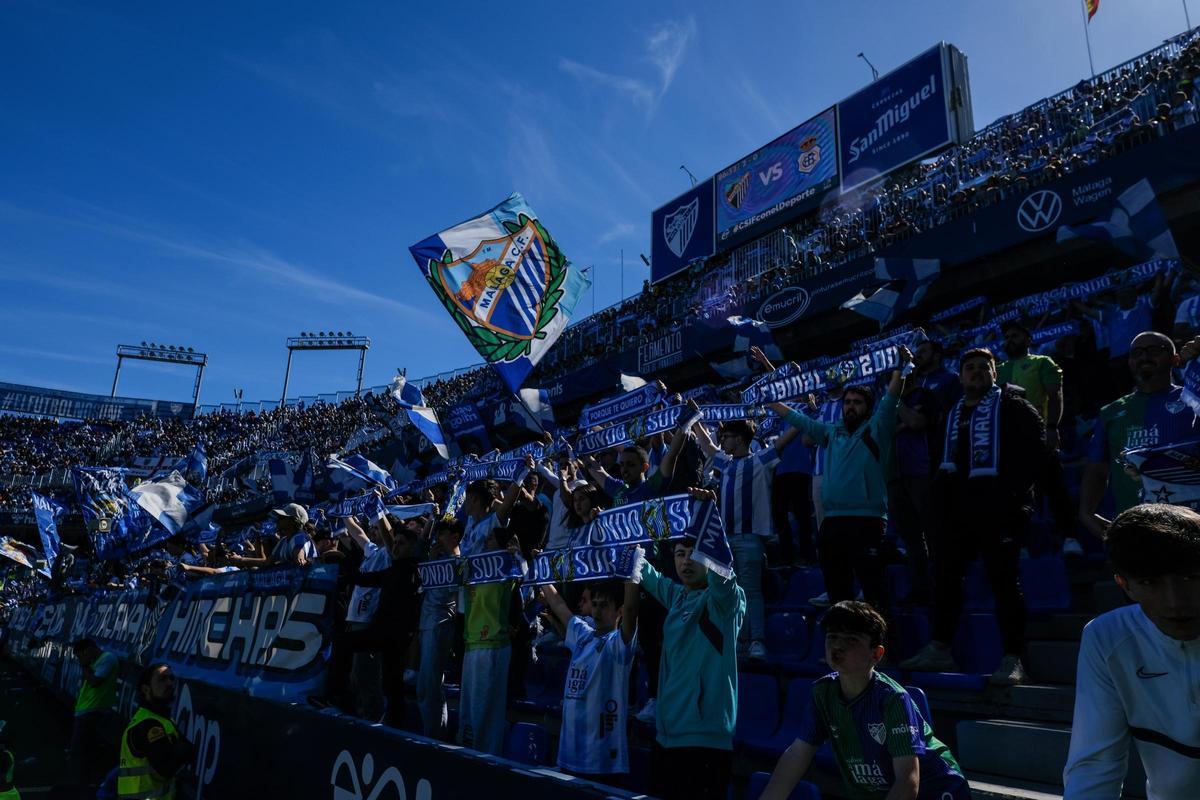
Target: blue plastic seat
[(805, 583), (921, 702), (757, 707), (553, 680), (1045, 584), (795, 706), (787, 639), (814, 663), (759, 780), (528, 744), (977, 649), (639, 768), (977, 592), (899, 581)]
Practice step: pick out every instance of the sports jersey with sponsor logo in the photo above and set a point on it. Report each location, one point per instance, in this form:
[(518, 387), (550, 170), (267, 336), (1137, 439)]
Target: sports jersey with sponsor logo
[(595, 708), (364, 600), (1134, 683), (869, 731), (1139, 419), (1037, 375), (746, 491)]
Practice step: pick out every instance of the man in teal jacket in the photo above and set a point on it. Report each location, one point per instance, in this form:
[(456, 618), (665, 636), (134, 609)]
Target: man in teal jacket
[(697, 689), (854, 489)]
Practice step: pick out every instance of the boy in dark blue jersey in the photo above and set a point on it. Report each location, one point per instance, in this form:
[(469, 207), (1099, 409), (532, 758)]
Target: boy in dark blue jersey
[(884, 748)]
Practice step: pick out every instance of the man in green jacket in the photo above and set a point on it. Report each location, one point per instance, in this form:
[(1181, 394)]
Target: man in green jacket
[(854, 488), (697, 689)]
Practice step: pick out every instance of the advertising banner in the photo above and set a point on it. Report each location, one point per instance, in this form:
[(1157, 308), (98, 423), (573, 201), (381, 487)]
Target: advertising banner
[(682, 231), (661, 349), (18, 399), (903, 116), (786, 178)]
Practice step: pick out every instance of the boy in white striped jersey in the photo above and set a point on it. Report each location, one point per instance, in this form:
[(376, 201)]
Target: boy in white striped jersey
[(595, 712)]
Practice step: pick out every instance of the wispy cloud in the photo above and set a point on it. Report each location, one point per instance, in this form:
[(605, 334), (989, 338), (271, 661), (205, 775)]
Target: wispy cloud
[(617, 231), (664, 46), (246, 257), (74, 358), (639, 92)]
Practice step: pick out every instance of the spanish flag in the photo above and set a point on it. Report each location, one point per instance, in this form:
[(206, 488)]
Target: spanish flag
[(1092, 7)]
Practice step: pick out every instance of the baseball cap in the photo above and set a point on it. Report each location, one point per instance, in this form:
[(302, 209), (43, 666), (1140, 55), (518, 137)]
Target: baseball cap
[(293, 510)]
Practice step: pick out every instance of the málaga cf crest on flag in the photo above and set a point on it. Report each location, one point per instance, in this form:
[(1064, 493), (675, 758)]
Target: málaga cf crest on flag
[(506, 284)]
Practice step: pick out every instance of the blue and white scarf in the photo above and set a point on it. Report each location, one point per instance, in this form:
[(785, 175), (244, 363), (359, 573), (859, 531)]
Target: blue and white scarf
[(612, 409), (984, 430), (494, 566), (366, 505), (1191, 386), (588, 563)]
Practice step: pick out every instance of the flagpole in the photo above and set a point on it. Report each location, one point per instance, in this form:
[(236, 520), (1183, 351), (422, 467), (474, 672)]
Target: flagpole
[(622, 273), (1187, 16), (1087, 37)]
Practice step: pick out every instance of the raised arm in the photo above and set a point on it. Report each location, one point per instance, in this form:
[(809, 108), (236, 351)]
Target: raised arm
[(357, 533), (667, 467), (629, 611), (556, 604), (507, 502), (784, 439)]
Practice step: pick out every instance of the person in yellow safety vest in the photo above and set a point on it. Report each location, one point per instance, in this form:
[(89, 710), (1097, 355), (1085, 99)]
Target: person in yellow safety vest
[(152, 749), (8, 789), (96, 723)]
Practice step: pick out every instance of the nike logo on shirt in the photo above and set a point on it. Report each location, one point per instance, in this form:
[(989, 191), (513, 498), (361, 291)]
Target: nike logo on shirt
[(1141, 673)]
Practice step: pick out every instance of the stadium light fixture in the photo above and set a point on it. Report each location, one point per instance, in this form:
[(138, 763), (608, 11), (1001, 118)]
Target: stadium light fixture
[(326, 340), (166, 353), (689, 173)]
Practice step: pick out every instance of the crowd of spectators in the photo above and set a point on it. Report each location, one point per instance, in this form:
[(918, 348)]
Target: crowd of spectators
[(889, 472), (1149, 97)]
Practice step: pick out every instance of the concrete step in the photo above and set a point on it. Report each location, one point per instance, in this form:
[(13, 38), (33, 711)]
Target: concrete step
[(1067, 626), (995, 787), (1051, 662), (1027, 751), (1107, 596), (1041, 702)]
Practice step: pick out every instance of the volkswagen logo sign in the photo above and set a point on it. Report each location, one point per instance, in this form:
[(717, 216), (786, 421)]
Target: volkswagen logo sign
[(784, 307), (1039, 210)]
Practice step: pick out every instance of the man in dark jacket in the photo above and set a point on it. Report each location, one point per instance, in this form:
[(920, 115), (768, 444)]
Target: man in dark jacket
[(994, 444)]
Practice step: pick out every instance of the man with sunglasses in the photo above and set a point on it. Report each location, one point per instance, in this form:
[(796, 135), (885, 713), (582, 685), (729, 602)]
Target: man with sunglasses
[(1152, 414)]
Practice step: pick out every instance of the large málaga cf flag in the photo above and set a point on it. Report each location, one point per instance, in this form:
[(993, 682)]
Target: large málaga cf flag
[(506, 284)]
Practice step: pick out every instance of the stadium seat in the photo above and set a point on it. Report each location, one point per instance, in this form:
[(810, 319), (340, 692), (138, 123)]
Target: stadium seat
[(1045, 584), (553, 677), (805, 583), (977, 649), (640, 759), (759, 780), (899, 581), (911, 632), (757, 707), (921, 702), (977, 592), (795, 705), (528, 744), (787, 639)]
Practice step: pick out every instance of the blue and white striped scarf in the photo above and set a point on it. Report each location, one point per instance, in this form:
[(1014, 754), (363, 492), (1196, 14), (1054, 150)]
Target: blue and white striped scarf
[(984, 430)]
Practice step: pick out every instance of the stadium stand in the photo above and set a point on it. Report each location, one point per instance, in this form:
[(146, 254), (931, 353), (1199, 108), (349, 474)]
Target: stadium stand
[(1011, 740)]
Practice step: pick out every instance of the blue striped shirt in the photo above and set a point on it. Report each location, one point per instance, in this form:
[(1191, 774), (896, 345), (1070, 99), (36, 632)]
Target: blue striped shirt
[(746, 491)]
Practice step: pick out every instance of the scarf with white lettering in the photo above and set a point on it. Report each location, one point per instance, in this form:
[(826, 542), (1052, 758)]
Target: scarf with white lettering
[(494, 566), (984, 430), (1191, 386), (588, 563)]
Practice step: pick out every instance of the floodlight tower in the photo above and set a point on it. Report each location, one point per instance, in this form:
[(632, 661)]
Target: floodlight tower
[(326, 341), (167, 354)]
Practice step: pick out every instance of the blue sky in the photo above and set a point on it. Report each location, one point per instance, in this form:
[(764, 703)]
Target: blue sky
[(226, 175)]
